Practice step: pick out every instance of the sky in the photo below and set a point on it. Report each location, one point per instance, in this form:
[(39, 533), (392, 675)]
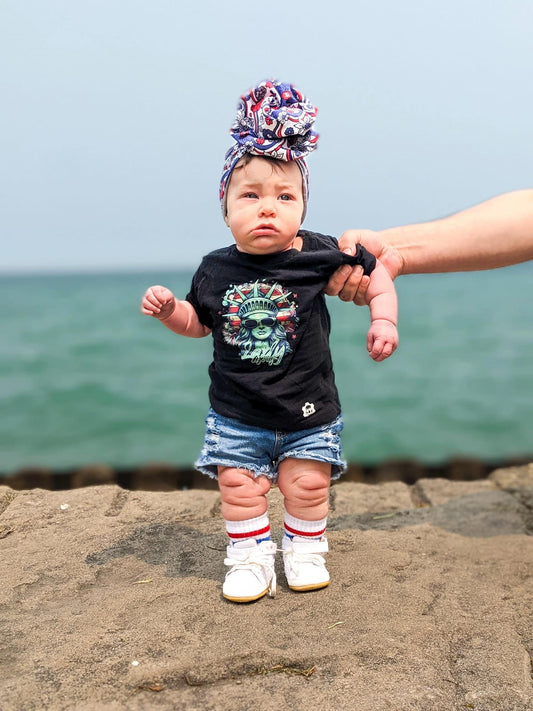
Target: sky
[(115, 118)]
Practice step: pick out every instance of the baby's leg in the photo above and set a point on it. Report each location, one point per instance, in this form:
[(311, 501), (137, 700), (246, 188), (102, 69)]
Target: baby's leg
[(243, 495), (244, 504), (304, 484), (250, 554)]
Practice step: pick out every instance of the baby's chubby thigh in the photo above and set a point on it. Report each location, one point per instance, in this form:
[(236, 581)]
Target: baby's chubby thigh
[(305, 485), (243, 494)]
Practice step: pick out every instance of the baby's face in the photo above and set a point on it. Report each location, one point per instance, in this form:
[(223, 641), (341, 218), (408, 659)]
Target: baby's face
[(265, 206)]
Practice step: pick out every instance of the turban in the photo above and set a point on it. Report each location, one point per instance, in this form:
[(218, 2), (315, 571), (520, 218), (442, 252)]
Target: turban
[(273, 120)]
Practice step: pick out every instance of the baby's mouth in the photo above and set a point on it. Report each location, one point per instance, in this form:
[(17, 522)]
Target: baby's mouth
[(265, 229)]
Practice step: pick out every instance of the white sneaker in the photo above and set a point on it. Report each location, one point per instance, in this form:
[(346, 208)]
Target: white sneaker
[(251, 573), (305, 568)]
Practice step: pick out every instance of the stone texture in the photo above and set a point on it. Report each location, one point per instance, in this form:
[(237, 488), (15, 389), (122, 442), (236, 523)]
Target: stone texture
[(434, 492), (514, 477), (111, 599)]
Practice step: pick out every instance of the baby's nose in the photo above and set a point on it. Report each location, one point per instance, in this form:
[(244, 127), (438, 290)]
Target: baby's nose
[(268, 206)]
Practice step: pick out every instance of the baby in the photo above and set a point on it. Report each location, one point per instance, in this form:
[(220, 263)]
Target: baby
[(275, 414)]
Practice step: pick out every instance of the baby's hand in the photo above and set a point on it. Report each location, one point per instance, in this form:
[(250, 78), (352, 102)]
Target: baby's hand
[(382, 339), (159, 302)]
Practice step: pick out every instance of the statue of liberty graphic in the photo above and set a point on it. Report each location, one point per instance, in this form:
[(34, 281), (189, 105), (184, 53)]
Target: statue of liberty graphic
[(260, 319)]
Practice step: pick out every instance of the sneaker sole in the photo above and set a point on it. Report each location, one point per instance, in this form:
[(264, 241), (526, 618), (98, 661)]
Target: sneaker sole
[(305, 588), (245, 599)]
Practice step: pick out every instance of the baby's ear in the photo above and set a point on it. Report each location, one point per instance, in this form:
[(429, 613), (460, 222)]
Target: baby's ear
[(226, 220)]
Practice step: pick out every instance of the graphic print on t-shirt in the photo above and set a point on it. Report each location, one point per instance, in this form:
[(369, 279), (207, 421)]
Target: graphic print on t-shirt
[(260, 321)]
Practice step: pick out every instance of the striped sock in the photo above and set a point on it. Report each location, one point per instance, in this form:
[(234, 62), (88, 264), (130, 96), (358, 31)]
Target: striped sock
[(256, 528), (306, 529)]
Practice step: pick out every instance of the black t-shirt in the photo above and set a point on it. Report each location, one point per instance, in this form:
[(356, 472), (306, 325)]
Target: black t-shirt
[(272, 365)]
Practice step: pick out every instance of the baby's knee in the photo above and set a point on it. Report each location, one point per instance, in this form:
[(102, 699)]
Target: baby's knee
[(307, 490), (237, 485), (309, 486)]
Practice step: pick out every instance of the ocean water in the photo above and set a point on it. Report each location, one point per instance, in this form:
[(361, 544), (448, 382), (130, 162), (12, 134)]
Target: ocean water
[(85, 378)]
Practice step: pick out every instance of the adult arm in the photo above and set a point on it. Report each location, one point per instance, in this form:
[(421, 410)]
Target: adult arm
[(492, 234)]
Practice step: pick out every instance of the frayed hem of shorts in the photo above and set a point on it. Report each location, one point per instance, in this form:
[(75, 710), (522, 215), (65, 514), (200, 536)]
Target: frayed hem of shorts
[(338, 467), (210, 470)]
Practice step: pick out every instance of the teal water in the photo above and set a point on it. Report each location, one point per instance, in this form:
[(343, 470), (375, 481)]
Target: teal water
[(85, 378)]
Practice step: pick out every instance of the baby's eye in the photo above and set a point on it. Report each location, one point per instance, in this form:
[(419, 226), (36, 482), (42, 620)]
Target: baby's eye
[(285, 196), (250, 195)]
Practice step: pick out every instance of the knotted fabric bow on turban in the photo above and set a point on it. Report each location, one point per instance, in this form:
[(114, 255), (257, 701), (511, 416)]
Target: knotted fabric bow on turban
[(274, 120)]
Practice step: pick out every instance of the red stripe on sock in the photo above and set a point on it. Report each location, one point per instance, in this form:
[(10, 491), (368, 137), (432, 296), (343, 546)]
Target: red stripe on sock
[(249, 534), (305, 534)]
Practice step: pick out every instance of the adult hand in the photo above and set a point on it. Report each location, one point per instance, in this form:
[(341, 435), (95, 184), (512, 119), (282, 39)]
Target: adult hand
[(348, 283)]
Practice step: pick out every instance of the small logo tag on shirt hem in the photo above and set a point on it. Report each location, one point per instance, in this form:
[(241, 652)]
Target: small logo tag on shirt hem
[(308, 409)]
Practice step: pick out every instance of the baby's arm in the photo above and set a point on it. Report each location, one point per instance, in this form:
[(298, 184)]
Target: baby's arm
[(178, 316), (382, 338)]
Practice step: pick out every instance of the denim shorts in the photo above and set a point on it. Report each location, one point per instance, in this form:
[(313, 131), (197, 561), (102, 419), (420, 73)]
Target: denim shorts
[(230, 443)]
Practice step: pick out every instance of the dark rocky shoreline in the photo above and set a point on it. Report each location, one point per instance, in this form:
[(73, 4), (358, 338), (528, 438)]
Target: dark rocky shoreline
[(161, 476)]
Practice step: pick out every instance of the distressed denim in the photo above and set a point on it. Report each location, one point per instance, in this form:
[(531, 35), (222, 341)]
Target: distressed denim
[(230, 443)]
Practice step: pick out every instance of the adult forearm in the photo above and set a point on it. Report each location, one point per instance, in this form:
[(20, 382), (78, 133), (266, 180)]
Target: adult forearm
[(493, 234)]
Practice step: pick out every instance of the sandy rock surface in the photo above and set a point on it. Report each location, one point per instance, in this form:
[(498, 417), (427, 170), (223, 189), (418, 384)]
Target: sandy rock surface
[(111, 599)]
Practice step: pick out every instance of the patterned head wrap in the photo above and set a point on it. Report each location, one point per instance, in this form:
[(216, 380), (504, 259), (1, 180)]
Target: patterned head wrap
[(273, 120)]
